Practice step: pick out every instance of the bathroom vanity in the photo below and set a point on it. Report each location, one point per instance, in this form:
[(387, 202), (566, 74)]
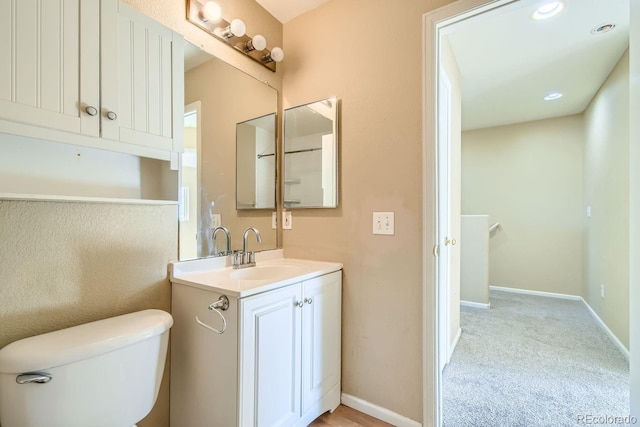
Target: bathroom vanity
[(270, 357)]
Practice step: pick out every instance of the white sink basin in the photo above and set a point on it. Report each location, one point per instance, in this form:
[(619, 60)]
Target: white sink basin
[(265, 272), (272, 271)]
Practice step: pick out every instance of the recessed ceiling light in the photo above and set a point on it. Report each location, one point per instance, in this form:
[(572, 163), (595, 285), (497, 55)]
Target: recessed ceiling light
[(552, 96), (548, 10), (601, 29)]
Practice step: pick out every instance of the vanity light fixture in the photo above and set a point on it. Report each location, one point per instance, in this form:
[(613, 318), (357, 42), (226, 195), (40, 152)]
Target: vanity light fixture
[(207, 15), (552, 96), (548, 10)]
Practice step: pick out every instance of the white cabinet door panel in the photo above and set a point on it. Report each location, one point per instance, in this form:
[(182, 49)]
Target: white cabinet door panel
[(270, 359), (321, 320), (40, 75), (141, 76)]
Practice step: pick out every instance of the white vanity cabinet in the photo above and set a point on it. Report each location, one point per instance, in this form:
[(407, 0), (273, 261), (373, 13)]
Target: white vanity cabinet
[(276, 365), (290, 353), (93, 72)]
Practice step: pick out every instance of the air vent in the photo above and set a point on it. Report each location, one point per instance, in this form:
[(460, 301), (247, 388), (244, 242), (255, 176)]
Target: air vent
[(604, 28)]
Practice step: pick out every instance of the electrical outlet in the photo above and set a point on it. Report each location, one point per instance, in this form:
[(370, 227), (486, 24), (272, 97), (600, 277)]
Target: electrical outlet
[(274, 220), (602, 291), (383, 223), (287, 221), (216, 220)]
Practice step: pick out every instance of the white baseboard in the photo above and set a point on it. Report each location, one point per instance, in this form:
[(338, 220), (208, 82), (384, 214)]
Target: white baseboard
[(611, 335), (377, 412), (608, 331), (453, 345), (536, 293), (475, 304)]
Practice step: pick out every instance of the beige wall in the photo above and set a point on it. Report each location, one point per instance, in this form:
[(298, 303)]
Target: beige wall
[(474, 244), (606, 191), (528, 177), (228, 98), (64, 264), (368, 54)]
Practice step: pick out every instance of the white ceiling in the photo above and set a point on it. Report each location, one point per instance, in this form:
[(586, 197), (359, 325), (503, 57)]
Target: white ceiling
[(509, 62), (285, 10)]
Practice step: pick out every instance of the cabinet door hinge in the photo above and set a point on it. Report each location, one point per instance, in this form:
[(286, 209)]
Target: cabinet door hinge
[(436, 250)]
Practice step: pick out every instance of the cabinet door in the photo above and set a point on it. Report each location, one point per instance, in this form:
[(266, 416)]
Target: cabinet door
[(49, 72), (270, 358), (142, 65), (321, 326)]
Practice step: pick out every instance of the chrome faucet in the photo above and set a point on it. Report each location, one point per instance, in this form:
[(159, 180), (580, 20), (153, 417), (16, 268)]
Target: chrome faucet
[(226, 232), (246, 259)]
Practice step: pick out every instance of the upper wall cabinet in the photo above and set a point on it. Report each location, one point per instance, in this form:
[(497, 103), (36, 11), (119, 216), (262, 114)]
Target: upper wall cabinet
[(97, 74), (142, 72)]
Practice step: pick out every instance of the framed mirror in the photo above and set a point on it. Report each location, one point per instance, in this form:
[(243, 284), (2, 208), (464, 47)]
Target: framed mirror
[(256, 163), (311, 155), (217, 98)]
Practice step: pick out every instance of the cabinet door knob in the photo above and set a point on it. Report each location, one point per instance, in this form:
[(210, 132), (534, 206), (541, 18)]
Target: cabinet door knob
[(299, 303), (112, 115), (308, 300), (92, 111)]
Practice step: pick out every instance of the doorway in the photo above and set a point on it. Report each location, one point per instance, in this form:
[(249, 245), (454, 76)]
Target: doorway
[(189, 212), (435, 237)]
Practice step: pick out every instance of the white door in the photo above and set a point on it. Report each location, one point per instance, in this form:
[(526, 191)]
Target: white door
[(321, 339), (445, 221), (270, 358), (142, 73), (49, 72)]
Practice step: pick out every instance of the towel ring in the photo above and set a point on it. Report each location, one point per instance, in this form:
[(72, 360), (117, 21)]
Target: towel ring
[(222, 304)]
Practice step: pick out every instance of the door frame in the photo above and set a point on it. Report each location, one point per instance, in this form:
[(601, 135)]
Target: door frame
[(433, 23)]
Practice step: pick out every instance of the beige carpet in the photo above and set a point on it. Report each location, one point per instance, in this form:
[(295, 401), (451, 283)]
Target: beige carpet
[(534, 361)]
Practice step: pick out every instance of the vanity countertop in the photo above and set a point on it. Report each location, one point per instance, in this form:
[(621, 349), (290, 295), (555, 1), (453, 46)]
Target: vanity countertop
[(272, 271)]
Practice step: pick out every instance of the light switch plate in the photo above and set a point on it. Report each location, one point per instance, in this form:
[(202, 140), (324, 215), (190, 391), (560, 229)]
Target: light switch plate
[(383, 223), (287, 221)]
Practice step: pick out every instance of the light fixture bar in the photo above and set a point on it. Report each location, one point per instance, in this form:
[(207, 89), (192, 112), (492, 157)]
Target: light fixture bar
[(223, 31)]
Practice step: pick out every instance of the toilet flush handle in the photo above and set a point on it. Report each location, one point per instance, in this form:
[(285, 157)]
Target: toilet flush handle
[(33, 377)]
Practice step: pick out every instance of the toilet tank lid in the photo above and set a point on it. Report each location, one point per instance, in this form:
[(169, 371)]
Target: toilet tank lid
[(82, 342)]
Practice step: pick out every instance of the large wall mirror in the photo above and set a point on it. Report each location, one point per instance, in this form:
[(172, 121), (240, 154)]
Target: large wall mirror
[(311, 155), (256, 163), (218, 98)]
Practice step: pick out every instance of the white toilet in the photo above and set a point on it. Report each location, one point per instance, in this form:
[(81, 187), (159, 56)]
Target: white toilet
[(100, 374)]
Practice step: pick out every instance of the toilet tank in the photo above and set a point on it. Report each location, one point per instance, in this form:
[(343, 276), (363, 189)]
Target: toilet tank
[(103, 374)]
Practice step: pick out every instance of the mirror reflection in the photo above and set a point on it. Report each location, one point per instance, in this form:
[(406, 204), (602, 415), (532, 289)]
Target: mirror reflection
[(217, 98), (256, 163), (311, 155)]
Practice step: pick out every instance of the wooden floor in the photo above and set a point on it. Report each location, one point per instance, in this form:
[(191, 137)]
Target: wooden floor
[(347, 417)]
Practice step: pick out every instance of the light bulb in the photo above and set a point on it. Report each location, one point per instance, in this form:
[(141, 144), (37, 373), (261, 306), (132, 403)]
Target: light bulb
[(236, 28), (276, 55), (211, 11), (548, 10), (258, 42), (552, 96)]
